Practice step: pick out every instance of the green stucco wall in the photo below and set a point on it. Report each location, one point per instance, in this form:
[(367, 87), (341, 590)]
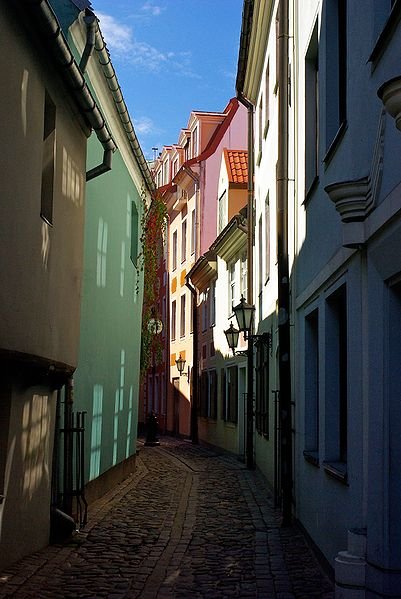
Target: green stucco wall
[(107, 378)]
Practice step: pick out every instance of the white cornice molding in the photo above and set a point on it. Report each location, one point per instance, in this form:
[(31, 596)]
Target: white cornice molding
[(261, 24)]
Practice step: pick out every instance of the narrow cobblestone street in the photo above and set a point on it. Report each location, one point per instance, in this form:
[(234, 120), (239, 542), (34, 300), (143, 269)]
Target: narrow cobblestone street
[(189, 523)]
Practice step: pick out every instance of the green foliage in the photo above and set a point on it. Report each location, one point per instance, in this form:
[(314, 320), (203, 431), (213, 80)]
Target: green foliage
[(153, 227)]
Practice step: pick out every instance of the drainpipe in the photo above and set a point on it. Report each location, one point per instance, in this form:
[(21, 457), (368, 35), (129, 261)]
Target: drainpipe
[(102, 168), (49, 29), (250, 460), (68, 447), (285, 415), (91, 26), (195, 366)]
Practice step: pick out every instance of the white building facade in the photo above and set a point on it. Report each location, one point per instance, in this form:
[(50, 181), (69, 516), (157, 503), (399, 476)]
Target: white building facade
[(342, 203)]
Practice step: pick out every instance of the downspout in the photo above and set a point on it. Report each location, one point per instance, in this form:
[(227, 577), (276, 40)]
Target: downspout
[(195, 337), (91, 26), (102, 168), (285, 415), (49, 28), (250, 461), (195, 367)]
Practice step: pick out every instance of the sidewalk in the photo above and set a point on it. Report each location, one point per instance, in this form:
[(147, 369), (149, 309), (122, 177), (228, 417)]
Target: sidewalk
[(188, 524)]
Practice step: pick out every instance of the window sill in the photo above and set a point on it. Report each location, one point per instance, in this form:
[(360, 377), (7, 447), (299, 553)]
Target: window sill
[(266, 129), (335, 143), (386, 33), (337, 470), (312, 457), (259, 158)]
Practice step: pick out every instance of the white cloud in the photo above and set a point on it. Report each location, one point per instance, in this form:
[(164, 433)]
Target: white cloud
[(123, 45), (153, 9), (118, 36), (144, 125)]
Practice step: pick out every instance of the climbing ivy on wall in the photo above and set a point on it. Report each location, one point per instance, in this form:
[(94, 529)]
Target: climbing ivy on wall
[(153, 230)]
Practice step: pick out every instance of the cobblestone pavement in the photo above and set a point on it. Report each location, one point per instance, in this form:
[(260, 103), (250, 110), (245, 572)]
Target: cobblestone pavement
[(188, 523)]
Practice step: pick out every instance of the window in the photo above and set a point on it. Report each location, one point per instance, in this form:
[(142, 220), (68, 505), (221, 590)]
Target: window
[(191, 321), (312, 384), (244, 275), (336, 377), (231, 287), (174, 250), (195, 142), (267, 98), (182, 316), (183, 240), (187, 150), (212, 302), (336, 68), (134, 233), (159, 178), (260, 129), (205, 305), (223, 393), (193, 231), (175, 167), (311, 111), (213, 394), (223, 218), (262, 389), (166, 172), (232, 394), (173, 320), (267, 237), (204, 394), (48, 159)]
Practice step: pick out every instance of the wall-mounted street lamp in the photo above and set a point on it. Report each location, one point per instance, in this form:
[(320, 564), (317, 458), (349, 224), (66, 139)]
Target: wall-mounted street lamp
[(244, 314), (232, 335), (181, 365)]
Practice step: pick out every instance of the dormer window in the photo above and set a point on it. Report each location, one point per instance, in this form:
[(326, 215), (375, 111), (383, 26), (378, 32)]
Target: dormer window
[(195, 142)]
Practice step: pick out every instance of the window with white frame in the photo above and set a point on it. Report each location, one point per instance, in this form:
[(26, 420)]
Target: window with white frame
[(193, 231), (195, 142), (175, 167), (166, 172), (222, 211), (182, 316), (231, 287), (244, 274), (267, 98), (212, 303), (260, 129), (175, 250), (267, 237), (204, 310), (184, 240)]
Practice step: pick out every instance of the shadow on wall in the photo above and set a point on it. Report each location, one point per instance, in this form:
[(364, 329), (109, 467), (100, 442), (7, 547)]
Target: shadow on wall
[(25, 475)]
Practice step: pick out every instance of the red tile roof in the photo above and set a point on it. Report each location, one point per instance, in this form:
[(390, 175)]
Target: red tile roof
[(237, 165)]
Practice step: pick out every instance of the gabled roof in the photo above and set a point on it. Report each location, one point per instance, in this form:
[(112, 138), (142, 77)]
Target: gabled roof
[(237, 165)]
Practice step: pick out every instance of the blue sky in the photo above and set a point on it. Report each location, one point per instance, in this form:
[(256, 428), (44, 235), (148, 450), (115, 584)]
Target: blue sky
[(171, 57)]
